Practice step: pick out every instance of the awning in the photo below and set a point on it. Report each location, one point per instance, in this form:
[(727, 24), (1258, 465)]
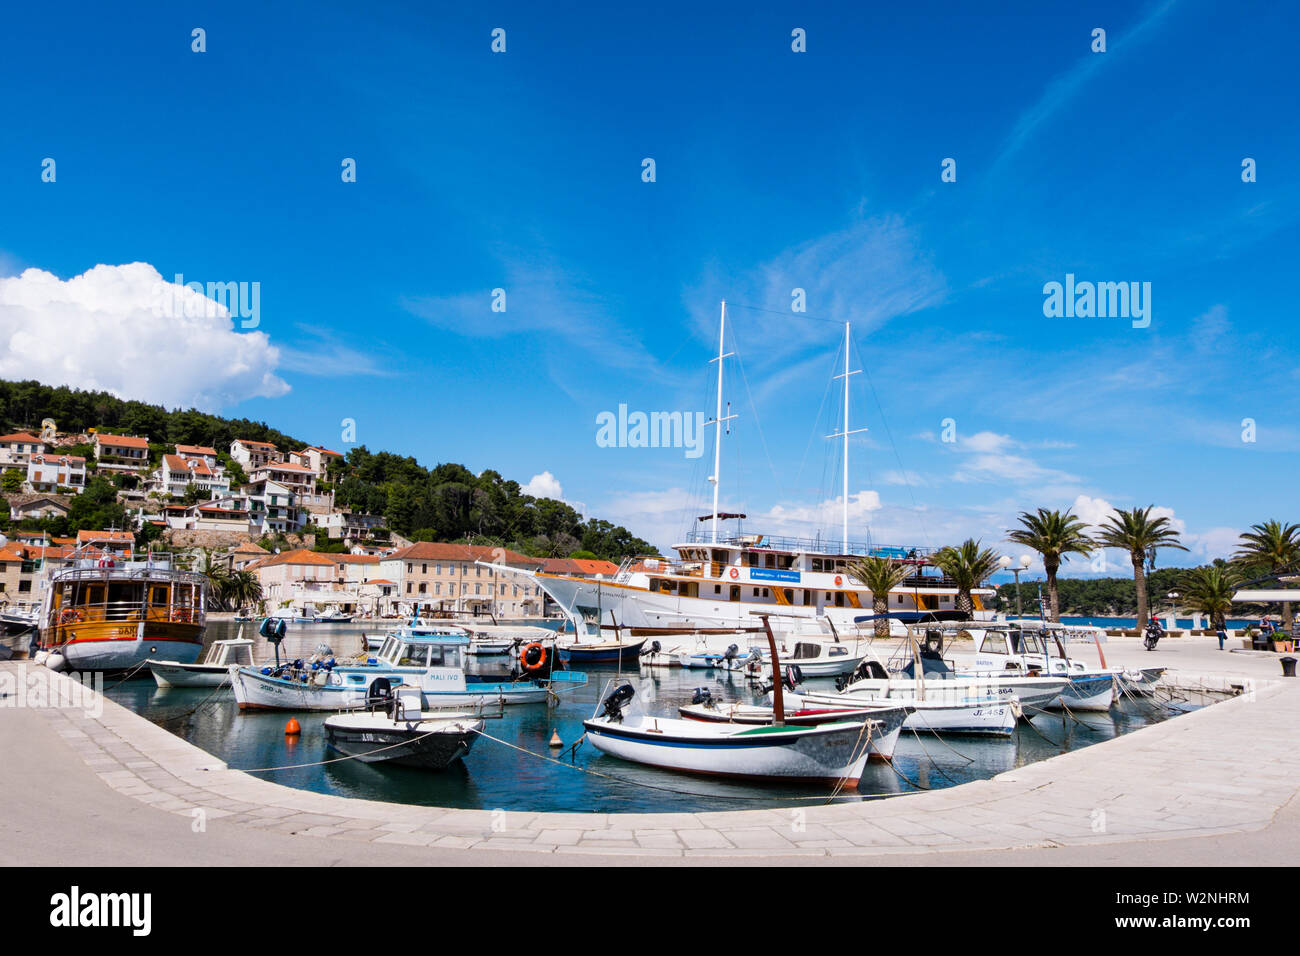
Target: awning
[(1267, 597)]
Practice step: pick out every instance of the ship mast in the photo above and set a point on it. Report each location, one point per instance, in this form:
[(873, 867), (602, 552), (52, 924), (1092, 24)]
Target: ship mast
[(717, 422), (845, 433)]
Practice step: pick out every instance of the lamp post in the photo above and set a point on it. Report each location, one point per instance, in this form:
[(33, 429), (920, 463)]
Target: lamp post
[(1173, 606), (1005, 563)]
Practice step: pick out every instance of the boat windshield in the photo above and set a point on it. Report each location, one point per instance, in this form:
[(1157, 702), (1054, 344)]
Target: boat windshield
[(414, 655)]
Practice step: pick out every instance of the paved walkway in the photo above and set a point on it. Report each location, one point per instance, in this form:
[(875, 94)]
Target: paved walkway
[(1217, 786)]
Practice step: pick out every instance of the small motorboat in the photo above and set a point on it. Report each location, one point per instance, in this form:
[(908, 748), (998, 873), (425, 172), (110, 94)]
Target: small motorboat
[(969, 717), (703, 707), (601, 652), (1140, 681), (428, 656), (832, 754), (403, 734), (212, 671)]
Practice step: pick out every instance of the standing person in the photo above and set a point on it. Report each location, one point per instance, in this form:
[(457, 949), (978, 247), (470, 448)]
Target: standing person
[(1222, 635)]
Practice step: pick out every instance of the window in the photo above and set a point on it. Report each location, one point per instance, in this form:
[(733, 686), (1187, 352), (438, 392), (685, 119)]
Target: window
[(424, 569), (408, 587), (423, 587)]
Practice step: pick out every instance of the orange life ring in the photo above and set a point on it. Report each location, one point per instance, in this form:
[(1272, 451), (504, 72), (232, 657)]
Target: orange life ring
[(838, 579), (541, 660), (735, 573), (70, 616)]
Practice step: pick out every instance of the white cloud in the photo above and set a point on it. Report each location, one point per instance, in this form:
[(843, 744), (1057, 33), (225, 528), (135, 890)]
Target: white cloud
[(545, 485), (105, 329)]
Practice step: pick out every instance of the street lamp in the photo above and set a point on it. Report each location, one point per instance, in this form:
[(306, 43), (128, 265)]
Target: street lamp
[(1005, 563), (1173, 605)]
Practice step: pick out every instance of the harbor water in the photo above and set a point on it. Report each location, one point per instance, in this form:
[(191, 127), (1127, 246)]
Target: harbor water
[(518, 770)]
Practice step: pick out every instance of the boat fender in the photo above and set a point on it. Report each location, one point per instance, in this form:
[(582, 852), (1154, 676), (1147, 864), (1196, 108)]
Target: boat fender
[(266, 671), (55, 661)]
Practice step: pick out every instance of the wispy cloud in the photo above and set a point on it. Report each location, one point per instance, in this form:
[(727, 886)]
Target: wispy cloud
[(1068, 85), (540, 297), (866, 273)]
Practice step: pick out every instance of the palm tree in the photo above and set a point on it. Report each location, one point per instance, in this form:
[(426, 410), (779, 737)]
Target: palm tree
[(241, 589), (1209, 590), (1055, 535), (969, 566), (203, 561), (1136, 532), (879, 576), (1274, 547)]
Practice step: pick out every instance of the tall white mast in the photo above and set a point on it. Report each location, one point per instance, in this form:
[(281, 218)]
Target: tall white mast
[(717, 422), (845, 433)]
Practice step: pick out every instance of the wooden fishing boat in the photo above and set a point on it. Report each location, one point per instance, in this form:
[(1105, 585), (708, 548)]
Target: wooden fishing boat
[(798, 714), (832, 754), (112, 614)]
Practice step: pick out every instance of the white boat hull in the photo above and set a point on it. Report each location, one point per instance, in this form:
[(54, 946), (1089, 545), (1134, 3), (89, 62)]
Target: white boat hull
[(170, 674), (827, 754), (110, 655), (978, 718)]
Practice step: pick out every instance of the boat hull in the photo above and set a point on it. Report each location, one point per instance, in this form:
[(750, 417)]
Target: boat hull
[(972, 718), (606, 653), (107, 646), (1094, 692), (828, 754), (884, 737), (173, 674), (424, 744)]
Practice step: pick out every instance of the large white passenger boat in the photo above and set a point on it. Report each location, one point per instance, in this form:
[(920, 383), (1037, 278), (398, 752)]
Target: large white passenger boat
[(722, 577)]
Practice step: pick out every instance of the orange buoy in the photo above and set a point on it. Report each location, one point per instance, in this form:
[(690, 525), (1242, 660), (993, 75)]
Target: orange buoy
[(291, 729), (555, 738)]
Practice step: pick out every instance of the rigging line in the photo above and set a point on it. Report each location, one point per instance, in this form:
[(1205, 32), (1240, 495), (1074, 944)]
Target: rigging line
[(884, 423), (786, 313), (754, 411)]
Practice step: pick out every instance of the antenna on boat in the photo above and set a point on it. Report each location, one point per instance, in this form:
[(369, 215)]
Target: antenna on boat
[(844, 543), (717, 422)]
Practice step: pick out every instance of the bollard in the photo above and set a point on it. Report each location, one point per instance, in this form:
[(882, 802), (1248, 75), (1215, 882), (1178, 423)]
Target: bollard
[(1288, 667)]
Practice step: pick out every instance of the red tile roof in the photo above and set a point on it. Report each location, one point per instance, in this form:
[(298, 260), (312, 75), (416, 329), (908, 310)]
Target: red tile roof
[(123, 441), (42, 459), (189, 450), (196, 465), (249, 443), (22, 437), (434, 551)]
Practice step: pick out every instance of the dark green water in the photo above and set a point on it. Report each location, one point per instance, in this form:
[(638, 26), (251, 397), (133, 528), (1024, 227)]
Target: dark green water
[(494, 776)]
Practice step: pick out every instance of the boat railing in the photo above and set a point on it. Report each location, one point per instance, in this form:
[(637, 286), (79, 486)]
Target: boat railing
[(125, 612), (815, 545)]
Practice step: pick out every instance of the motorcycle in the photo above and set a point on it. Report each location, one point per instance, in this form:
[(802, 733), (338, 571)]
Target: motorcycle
[(1153, 634)]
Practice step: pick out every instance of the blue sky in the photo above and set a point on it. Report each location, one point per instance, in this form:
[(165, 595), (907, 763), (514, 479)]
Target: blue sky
[(775, 170)]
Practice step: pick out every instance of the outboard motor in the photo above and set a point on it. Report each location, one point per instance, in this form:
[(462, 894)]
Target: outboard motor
[(273, 629), (616, 701), (651, 649), (702, 695), (793, 676), (731, 653)]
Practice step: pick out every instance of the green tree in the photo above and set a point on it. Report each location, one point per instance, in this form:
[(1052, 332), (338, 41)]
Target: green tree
[(1209, 591), (1055, 535), (12, 480), (1139, 534), (879, 576), (1273, 547), (969, 566)]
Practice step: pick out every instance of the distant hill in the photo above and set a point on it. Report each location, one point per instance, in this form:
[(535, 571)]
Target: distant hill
[(447, 502)]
